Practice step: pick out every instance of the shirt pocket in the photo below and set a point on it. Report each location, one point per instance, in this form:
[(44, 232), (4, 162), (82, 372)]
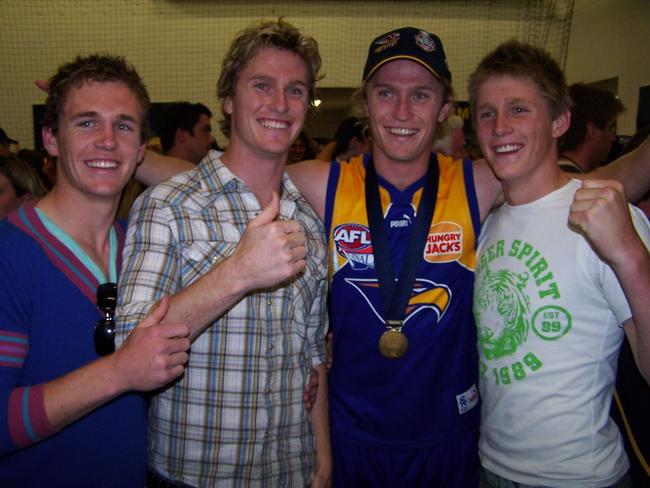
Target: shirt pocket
[(198, 257)]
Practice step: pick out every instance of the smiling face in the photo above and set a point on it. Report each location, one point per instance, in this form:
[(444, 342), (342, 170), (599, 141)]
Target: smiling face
[(269, 106), (98, 140), (518, 135), (404, 102)]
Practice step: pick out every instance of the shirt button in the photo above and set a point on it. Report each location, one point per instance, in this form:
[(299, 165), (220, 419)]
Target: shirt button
[(269, 302), (214, 260)]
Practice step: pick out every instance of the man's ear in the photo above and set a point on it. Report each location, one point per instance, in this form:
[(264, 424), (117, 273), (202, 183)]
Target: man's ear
[(561, 124), (180, 135), (226, 103), (50, 142), (445, 111), (141, 152), (591, 131)]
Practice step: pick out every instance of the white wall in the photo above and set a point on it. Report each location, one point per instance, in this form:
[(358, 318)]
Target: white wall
[(178, 45), (609, 39)]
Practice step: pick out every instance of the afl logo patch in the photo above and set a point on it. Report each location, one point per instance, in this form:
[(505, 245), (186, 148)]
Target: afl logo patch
[(444, 243), (353, 242)]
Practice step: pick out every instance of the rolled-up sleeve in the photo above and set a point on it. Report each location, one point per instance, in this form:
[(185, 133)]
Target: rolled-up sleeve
[(149, 263)]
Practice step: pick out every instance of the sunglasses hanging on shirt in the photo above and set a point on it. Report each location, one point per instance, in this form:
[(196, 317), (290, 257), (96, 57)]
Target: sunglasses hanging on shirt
[(104, 334)]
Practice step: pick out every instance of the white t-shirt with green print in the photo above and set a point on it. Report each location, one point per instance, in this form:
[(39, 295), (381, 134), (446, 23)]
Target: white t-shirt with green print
[(548, 312)]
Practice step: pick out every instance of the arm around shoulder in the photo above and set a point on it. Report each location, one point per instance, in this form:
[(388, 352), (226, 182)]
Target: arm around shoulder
[(311, 179), (488, 189), (321, 426), (631, 169), (156, 168)]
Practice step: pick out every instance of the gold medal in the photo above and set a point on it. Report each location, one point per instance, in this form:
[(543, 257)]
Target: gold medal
[(393, 344)]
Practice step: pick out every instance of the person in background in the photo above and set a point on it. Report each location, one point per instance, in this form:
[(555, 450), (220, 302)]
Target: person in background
[(588, 141), (186, 132), (450, 138), (351, 139), (320, 143), (19, 183), (38, 161), (301, 149), (5, 143)]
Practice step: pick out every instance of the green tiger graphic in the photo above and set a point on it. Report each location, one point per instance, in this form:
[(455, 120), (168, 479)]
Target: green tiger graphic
[(501, 295)]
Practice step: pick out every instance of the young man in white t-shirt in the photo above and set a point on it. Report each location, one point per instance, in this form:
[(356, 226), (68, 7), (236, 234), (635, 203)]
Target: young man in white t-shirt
[(562, 274)]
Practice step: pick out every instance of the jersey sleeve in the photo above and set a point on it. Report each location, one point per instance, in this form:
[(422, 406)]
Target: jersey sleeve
[(23, 420)]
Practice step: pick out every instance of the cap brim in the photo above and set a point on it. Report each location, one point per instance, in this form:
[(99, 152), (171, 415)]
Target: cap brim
[(409, 58)]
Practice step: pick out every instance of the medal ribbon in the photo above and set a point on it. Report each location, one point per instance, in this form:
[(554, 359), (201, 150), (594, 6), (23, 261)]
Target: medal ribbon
[(395, 295)]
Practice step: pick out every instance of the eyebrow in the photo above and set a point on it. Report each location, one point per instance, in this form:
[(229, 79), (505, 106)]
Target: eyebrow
[(509, 101), (80, 115), (391, 85), (516, 100), (270, 78), (92, 113)]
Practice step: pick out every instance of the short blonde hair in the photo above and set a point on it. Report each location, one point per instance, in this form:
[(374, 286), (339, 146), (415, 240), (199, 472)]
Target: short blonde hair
[(521, 61)]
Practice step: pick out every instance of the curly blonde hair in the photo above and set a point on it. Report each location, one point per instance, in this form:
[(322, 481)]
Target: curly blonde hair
[(277, 34)]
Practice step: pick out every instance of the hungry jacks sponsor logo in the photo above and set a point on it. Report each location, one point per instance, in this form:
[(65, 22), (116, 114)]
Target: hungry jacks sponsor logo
[(444, 243)]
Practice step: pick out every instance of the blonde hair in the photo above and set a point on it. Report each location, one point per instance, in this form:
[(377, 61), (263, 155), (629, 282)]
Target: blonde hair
[(277, 34), (523, 61)]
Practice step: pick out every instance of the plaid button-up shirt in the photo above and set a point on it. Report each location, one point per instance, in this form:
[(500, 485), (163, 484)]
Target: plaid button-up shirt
[(236, 417)]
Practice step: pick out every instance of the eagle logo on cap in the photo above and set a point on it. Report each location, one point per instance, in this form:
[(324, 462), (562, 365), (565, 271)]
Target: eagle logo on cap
[(387, 39), (386, 42), (425, 41)]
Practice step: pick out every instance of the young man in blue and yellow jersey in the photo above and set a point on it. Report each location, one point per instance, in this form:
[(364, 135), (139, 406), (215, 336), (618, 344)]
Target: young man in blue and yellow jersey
[(403, 382)]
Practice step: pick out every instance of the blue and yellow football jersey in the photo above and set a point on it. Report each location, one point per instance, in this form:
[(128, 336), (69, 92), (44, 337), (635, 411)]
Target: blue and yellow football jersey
[(430, 394)]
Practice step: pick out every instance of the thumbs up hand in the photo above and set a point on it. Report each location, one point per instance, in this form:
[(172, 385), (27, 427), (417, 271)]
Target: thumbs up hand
[(270, 251), (154, 353)]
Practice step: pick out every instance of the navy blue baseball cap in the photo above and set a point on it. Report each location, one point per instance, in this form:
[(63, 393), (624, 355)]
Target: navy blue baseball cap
[(408, 43)]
